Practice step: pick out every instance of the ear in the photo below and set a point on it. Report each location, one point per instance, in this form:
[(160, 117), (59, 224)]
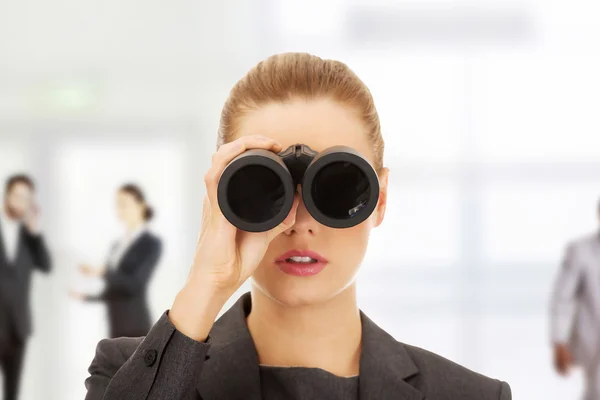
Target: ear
[(383, 191)]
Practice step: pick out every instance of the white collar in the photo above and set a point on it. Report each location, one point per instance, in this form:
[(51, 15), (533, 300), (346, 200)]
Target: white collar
[(5, 219)]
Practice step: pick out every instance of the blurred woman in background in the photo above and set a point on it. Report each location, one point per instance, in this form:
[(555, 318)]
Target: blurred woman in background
[(130, 264)]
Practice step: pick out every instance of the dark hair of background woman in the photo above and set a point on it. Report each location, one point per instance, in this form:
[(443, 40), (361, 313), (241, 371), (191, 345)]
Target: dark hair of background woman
[(136, 192)]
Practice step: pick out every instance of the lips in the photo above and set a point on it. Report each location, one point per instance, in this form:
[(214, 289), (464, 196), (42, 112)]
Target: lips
[(301, 262)]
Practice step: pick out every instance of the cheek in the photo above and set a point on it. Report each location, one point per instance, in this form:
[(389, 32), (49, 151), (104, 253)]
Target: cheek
[(18, 203), (130, 209), (122, 210), (351, 243)]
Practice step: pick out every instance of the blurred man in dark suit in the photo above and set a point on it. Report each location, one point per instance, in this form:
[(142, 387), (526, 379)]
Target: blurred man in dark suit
[(575, 311), (22, 249)]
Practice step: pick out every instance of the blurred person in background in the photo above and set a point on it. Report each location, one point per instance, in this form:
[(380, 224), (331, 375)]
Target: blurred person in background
[(575, 311), (129, 267), (22, 249), (299, 334)]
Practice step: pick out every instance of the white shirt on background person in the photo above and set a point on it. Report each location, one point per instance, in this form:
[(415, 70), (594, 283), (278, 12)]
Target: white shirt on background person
[(10, 236)]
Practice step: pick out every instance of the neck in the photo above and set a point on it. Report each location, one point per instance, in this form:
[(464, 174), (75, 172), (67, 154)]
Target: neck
[(326, 335), (133, 226)]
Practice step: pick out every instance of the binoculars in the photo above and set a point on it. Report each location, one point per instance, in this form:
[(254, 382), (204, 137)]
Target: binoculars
[(340, 188)]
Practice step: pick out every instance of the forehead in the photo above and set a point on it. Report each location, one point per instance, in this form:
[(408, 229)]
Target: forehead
[(124, 196), (319, 123), (20, 189)]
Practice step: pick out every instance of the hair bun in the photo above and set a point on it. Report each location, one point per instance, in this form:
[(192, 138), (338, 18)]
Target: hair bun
[(149, 213)]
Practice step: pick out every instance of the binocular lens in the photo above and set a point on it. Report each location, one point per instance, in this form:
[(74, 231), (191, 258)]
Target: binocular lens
[(255, 193), (340, 190)]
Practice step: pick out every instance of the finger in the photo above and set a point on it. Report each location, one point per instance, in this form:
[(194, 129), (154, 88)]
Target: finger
[(230, 151), (206, 209), (564, 369), (216, 233), (221, 231), (288, 222), (559, 368)]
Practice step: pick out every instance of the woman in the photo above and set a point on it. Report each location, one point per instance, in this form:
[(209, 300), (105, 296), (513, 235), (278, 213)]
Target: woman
[(130, 265), (294, 336)]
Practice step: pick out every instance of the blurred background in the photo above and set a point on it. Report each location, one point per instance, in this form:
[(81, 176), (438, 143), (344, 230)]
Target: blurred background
[(490, 114)]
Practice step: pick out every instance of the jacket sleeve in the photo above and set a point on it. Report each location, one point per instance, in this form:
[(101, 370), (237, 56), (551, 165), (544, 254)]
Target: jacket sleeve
[(164, 365), (128, 283), (564, 298), (39, 252)]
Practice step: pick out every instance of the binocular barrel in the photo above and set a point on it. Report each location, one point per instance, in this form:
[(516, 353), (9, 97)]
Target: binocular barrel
[(340, 188)]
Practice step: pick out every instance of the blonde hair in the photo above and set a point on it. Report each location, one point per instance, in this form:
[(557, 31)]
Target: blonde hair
[(285, 76)]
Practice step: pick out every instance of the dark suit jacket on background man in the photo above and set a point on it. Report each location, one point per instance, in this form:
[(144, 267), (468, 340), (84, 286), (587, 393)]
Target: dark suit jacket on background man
[(15, 282)]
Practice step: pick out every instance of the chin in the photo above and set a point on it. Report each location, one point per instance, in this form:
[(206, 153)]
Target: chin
[(18, 214), (294, 293)]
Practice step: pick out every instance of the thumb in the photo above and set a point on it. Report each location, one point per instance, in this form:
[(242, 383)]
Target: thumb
[(287, 223)]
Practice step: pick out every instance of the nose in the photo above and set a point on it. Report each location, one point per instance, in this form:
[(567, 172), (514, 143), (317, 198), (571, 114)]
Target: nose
[(305, 224)]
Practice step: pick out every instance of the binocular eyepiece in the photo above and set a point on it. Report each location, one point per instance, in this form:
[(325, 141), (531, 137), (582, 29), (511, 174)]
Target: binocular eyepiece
[(256, 190)]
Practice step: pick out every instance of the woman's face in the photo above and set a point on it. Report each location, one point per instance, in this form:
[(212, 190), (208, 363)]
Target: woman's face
[(320, 124), (129, 210)]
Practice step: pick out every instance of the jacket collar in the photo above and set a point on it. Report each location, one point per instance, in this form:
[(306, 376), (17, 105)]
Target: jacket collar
[(384, 365), (136, 239)]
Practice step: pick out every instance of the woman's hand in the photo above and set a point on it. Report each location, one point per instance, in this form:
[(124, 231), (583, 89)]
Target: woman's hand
[(91, 271), (76, 295), (32, 219), (225, 256)]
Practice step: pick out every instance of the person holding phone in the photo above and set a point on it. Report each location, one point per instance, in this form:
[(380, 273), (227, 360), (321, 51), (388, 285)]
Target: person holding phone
[(22, 249), (129, 267), (299, 334)]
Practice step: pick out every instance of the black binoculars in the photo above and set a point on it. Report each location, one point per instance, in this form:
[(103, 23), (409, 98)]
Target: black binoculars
[(340, 188)]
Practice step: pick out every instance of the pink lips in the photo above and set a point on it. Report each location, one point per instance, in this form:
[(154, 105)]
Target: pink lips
[(298, 268)]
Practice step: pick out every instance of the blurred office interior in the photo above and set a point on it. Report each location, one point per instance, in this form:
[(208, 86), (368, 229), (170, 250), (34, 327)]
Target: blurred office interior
[(490, 114)]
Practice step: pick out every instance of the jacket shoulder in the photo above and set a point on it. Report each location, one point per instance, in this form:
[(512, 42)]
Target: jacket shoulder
[(442, 379), (153, 239)]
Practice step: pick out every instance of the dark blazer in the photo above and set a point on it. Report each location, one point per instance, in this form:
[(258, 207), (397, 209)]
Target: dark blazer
[(15, 282), (126, 284), (168, 365)]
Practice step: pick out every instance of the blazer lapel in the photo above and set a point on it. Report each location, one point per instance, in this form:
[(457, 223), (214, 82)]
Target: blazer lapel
[(129, 250), (20, 246), (385, 366), (232, 371)]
